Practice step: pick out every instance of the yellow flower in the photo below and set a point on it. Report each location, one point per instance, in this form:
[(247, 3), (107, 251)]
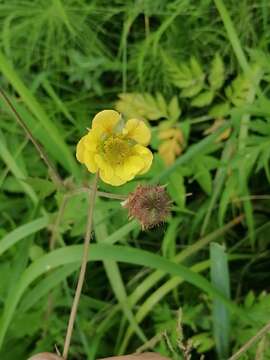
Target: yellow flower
[(115, 149)]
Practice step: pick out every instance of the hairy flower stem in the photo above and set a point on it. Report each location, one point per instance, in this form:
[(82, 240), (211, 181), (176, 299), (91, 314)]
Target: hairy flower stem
[(87, 238)]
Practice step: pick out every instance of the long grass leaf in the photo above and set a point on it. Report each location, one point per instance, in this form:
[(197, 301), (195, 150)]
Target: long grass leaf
[(114, 275), (221, 317), (21, 232), (100, 252), (60, 151)]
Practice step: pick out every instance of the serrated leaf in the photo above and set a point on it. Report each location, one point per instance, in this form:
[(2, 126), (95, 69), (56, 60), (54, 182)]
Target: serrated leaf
[(239, 90), (169, 150), (203, 342), (191, 90), (174, 110), (217, 74), (186, 76), (203, 99), (162, 105), (142, 106), (220, 110), (172, 144), (180, 74), (196, 69)]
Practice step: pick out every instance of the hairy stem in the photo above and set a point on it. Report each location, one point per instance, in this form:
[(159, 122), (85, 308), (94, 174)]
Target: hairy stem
[(77, 296)]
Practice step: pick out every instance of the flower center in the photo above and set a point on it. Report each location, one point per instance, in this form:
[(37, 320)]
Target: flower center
[(116, 149)]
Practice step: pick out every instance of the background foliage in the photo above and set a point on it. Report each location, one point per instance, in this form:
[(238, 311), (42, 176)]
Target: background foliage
[(198, 73)]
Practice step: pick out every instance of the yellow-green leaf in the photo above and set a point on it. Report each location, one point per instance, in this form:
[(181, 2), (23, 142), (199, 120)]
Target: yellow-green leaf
[(220, 110), (142, 106), (217, 74), (203, 99), (191, 90), (174, 110)]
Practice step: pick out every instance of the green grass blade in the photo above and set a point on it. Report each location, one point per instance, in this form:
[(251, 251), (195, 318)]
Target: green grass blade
[(46, 285), (155, 298), (221, 317), (60, 150), (152, 279), (121, 232), (100, 252), (56, 99), (114, 275), (218, 185), (168, 286), (21, 232), (12, 164), (232, 35)]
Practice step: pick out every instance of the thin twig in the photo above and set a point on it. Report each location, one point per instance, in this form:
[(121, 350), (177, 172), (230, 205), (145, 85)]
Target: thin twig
[(52, 170), (251, 341), (252, 197), (103, 193), (77, 296), (86, 189), (150, 344), (146, 26)]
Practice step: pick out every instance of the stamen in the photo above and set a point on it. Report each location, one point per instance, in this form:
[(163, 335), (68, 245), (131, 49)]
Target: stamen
[(116, 149)]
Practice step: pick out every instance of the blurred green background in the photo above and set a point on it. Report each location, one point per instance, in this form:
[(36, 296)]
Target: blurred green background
[(198, 72)]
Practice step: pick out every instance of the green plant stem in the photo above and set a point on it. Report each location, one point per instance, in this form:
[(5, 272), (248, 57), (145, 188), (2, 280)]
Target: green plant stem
[(104, 194), (87, 238), (52, 170), (232, 34)]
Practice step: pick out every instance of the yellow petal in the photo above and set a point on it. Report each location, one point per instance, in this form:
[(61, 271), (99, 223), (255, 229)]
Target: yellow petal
[(80, 150), (130, 168), (89, 161), (137, 130), (112, 180), (107, 173), (101, 163), (146, 155), (106, 120), (85, 155), (92, 140)]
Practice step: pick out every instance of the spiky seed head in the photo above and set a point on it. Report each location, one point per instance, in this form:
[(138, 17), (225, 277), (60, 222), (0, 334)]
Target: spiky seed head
[(149, 204)]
